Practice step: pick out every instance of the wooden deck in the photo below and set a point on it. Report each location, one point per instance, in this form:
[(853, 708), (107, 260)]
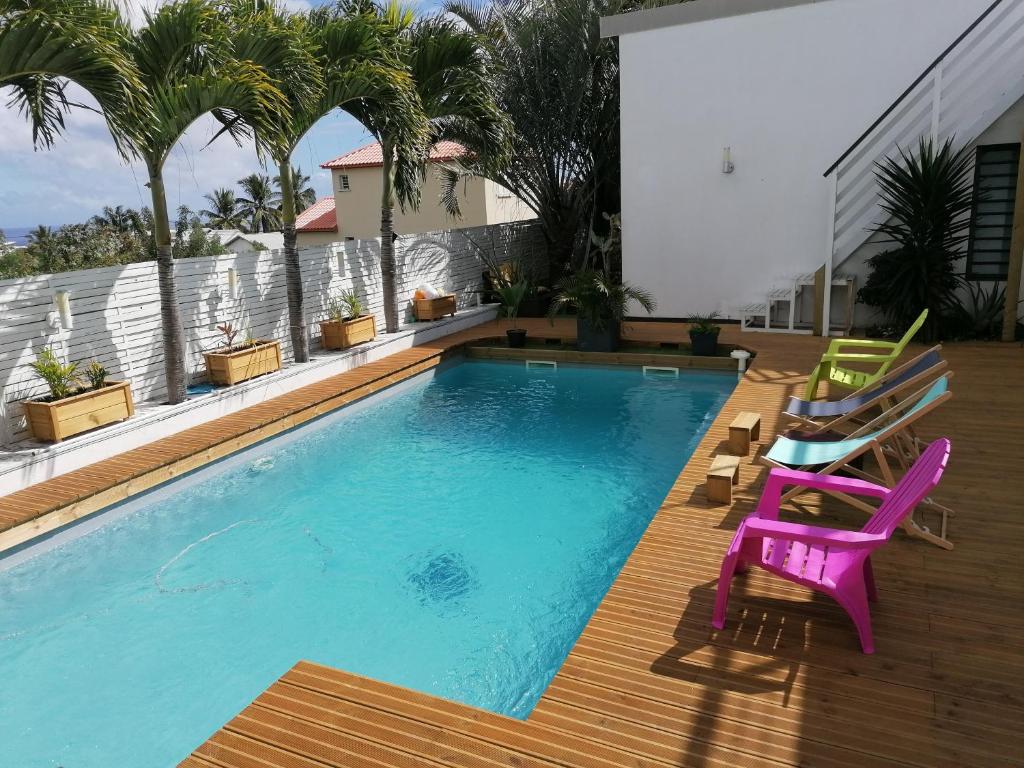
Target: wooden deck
[(649, 683)]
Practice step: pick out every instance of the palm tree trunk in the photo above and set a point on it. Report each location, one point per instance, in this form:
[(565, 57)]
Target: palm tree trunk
[(561, 233), (170, 318), (387, 242), (292, 268)]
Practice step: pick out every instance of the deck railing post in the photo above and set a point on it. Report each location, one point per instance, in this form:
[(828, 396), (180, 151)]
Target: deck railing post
[(936, 104), (1016, 262), (826, 301)]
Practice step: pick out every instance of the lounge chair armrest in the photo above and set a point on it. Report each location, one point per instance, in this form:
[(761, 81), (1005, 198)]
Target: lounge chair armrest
[(811, 534), (779, 478), (837, 344), (853, 357)]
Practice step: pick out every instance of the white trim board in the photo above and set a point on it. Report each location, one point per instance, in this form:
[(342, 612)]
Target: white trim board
[(690, 12)]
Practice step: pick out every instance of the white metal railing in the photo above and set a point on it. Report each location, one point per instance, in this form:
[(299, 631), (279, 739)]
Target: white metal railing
[(965, 90)]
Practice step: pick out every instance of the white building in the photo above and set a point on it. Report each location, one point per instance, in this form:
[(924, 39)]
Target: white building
[(735, 113), (247, 243)]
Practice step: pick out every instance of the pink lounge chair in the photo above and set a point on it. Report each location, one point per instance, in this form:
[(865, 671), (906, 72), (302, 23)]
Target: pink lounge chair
[(835, 562)]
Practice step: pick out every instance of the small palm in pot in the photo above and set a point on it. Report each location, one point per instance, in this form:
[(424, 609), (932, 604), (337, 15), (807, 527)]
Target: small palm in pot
[(511, 297), (704, 334), (601, 305)]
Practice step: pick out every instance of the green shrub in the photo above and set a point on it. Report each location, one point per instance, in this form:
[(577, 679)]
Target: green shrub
[(96, 374), (345, 306), (60, 378), (927, 198)]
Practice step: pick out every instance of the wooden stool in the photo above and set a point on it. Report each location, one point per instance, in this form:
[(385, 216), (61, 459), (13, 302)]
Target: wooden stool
[(744, 428), (723, 475)]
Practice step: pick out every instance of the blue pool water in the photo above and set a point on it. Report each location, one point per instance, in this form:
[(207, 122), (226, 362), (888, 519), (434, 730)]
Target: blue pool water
[(453, 536)]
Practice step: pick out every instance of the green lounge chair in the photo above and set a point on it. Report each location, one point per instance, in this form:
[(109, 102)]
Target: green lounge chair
[(884, 353)]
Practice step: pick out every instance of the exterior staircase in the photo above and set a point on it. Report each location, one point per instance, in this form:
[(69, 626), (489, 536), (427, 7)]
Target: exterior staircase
[(780, 311), (963, 92)]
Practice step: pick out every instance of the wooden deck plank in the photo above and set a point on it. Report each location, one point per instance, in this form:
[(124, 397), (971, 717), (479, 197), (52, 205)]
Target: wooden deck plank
[(649, 682)]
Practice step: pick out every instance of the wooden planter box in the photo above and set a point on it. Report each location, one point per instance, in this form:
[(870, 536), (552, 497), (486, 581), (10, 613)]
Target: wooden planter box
[(230, 368), (79, 413), (434, 309), (342, 334)]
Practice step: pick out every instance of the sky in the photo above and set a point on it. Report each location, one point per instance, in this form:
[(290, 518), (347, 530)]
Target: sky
[(82, 172)]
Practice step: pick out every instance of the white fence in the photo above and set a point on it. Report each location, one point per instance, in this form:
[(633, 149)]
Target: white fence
[(116, 310)]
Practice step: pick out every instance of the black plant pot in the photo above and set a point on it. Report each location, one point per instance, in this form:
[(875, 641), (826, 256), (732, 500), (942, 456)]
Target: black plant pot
[(516, 338), (704, 344), (590, 338)]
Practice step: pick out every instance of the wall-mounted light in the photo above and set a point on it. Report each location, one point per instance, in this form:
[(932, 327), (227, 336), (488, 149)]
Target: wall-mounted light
[(62, 300), (727, 164), (232, 282)]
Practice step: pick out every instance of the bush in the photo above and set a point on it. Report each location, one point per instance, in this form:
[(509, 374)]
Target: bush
[(927, 198), (99, 243)]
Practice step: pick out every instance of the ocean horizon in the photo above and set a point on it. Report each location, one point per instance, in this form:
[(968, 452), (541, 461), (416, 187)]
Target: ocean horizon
[(17, 235)]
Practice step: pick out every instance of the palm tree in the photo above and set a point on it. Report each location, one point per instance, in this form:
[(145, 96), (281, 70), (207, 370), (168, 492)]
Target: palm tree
[(223, 210), (257, 205), (452, 77), (336, 57), (558, 80), (118, 218), (40, 235), (36, 37), (303, 195), (177, 67)]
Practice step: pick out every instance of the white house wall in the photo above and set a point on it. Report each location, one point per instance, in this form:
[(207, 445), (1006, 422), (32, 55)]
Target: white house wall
[(788, 90)]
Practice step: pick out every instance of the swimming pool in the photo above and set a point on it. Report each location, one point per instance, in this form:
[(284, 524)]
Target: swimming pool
[(452, 535)]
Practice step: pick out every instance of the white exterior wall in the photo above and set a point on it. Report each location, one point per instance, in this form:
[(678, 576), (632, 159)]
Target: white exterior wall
[(788, 90)]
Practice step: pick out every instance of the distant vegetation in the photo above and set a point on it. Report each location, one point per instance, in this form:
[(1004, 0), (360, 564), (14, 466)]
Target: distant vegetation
[(117, 236), (122, 235), (259, 207)]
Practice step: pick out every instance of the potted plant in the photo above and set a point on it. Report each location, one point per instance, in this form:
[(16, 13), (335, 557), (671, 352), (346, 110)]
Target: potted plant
[(511, 298), (601, 304), (346, 325), (233, 363), (704, 335), (70, 407)]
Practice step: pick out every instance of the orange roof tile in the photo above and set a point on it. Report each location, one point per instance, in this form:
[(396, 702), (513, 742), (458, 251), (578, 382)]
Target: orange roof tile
[(319, 217), (371, 155)]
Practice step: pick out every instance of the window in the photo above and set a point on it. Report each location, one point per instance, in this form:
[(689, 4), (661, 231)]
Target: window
[(343, 185), (995, 186)]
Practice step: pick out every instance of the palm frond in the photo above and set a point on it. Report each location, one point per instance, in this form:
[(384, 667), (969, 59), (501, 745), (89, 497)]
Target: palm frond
[(240, 91), (46, 43)]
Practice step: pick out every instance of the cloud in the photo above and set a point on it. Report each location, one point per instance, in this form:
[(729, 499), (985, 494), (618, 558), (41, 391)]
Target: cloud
[(83, 171)]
